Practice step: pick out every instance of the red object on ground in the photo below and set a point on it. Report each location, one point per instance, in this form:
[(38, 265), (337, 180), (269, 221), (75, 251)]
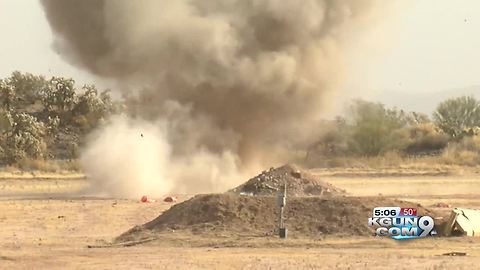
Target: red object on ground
[(170, 199), (145, 199)]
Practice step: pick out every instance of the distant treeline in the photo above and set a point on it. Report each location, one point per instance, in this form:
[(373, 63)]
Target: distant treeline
[(45, 119), (370, 129)]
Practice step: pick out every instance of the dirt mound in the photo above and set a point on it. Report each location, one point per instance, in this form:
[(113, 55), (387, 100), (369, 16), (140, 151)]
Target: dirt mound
[(299, 183), (232, 214)]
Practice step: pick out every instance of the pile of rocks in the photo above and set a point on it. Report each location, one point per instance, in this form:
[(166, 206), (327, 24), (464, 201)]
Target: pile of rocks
[(297, 181)]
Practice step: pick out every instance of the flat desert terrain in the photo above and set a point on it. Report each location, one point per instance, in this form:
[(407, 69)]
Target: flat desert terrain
[(47, 223)]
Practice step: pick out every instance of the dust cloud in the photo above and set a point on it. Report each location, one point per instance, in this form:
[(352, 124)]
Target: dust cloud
[(220, 87), (141, 162)]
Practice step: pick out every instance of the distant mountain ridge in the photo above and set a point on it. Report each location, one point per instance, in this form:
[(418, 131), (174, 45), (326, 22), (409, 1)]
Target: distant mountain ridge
[(424, 102)]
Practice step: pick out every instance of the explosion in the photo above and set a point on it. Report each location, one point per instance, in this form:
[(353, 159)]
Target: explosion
[(222, 86)]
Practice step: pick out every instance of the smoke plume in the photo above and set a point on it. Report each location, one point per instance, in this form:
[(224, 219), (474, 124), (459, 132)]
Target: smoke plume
[(222, 86)]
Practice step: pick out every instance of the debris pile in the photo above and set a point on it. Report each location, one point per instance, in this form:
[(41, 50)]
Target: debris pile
[(309, 212), (233, 215), (299, 183)]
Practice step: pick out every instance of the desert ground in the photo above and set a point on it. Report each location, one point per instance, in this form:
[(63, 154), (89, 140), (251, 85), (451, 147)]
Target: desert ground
[(47, 223)]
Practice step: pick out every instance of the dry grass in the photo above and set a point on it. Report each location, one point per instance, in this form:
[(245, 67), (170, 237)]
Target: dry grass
[(456, 158), (461, 155), (466, 152), (44, 166), (37, 232), (389, 160)]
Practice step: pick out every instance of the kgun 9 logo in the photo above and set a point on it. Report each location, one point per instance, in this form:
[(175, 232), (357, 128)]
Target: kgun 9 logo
[(401, 223)]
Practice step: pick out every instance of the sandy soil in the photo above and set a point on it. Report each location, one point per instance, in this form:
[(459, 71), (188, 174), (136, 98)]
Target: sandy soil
[(46, 224)]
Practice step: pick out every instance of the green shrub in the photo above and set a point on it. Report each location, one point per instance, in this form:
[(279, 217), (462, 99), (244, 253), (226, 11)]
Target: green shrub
[(457, 116), (375, 130), (23, 138)]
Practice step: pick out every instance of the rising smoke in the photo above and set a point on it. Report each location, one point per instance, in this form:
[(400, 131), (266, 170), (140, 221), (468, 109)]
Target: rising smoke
[(223, 86)]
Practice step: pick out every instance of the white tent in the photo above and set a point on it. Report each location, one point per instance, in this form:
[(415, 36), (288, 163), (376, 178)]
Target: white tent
[(463, 221)]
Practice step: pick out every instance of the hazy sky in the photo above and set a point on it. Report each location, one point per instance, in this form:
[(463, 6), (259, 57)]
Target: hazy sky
[(25, 42), (435, 45)]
